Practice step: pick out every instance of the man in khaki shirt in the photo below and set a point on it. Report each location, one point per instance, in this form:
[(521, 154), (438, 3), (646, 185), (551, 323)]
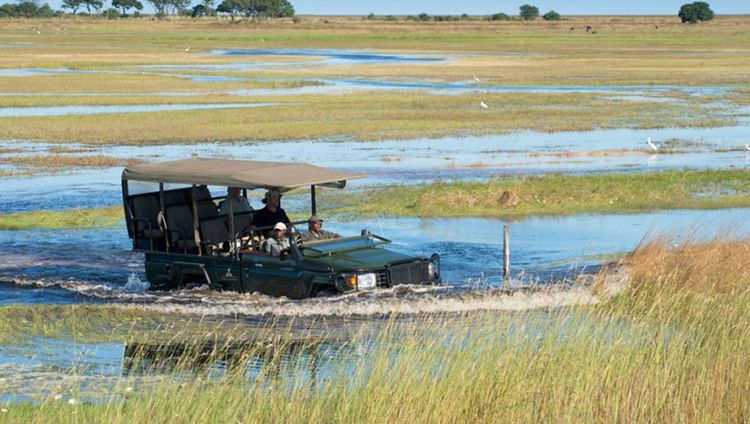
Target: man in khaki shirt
[(315, 232)]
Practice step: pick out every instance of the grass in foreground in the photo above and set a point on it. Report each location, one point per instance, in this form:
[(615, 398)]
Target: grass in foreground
[(522, 197), (672, 348)]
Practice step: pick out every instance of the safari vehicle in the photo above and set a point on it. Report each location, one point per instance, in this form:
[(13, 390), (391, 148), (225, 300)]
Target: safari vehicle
[(186, 240)]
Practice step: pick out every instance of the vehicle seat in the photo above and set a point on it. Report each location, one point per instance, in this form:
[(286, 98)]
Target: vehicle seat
[(214, 233), (180, 227), (145, 209), (207, 209)]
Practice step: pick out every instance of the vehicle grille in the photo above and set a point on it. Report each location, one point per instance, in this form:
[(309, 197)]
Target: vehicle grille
[(382, 277), (411, 273)]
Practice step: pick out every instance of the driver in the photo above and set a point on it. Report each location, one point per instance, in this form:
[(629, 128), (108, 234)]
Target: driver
[(278, 242), (316, 232)]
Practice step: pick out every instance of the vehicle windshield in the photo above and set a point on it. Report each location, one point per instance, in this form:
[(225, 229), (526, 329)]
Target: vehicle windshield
[(336, 245)]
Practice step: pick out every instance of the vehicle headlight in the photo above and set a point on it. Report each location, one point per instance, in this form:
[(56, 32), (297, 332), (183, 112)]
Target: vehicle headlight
[(367, 281)]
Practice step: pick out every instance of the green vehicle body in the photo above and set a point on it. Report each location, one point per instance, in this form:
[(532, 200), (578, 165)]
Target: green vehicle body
[(307, 269)]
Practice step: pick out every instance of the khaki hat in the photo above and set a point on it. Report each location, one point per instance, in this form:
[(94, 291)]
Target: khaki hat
[(270, 194), (314, 218), (280, 226)]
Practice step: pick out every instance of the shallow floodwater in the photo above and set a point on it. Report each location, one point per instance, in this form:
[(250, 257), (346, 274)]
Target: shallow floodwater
[(399, 161)]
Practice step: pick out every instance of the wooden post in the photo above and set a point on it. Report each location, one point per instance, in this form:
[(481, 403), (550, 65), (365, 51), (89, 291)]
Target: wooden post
[(506, 251)]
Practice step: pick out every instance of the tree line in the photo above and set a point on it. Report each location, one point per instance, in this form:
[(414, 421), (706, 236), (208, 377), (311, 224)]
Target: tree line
[(250, 9), (260, 9)]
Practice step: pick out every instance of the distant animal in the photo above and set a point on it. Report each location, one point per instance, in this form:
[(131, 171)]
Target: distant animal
[(572, 28), (588, 28), (484, 105), (650, 143), (656, 26), (187, 49), (747, 147), (476, 79)]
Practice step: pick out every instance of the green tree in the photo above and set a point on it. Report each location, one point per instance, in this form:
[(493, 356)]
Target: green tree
[(179, 7), (500, 17), (160, 7), (95, 4), (112, 13), (73, 5), (7, 10), (124, 5), (231, 7), (551, 16), (695, 12), (529, 12)]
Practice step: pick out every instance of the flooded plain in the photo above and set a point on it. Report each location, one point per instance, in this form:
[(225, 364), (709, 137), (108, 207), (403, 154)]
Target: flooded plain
[(552, 258)]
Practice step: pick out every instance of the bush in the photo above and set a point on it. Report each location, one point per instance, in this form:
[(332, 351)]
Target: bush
[(695, 12), (390, 18), (111, 13), (529, 12), (551, 16), (423, 17), (500, 17)]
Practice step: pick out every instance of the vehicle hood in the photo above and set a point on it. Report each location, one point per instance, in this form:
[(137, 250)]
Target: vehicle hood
[(361, 259)]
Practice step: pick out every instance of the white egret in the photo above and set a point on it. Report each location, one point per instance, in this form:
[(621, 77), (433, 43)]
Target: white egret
[(747, 147), (653, 146), (476, 79), (187, 49), (483, 104)]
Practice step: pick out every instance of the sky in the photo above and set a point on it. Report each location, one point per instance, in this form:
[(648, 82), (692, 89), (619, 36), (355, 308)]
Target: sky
[(487, 7)]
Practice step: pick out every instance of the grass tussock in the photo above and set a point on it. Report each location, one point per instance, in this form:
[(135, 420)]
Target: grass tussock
[(512, 197), (71, 218)]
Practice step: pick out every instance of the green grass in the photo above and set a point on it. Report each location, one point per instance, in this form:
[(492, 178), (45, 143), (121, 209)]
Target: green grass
[(531, 196), (558, 195), (71, 218), (671, 348)]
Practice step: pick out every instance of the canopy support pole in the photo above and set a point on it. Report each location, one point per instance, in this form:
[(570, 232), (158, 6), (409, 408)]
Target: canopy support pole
[(232, 240), (313, 202), (196, 232), (161, 218), (128, 219)]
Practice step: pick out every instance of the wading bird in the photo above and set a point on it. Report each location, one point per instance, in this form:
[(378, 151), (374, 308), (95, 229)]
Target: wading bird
[(747, 147), (187, 49), (653, 146), (476, 79), (483, 104)]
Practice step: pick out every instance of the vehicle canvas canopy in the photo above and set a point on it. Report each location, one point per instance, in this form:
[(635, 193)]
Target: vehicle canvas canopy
[(239, 173), (184, 219)]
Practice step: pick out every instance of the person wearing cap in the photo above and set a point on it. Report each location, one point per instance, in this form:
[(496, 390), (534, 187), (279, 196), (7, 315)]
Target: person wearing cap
[(239, 203), (271, 213), (278, 242), (315, 232)]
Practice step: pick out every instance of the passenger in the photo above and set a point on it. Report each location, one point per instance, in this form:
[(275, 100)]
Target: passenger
[(271, 213), (278, 242), (239, 203), (315, 232)]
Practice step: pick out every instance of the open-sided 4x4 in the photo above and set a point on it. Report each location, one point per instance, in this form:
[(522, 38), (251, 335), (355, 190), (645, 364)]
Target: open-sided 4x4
[(186, 240)]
